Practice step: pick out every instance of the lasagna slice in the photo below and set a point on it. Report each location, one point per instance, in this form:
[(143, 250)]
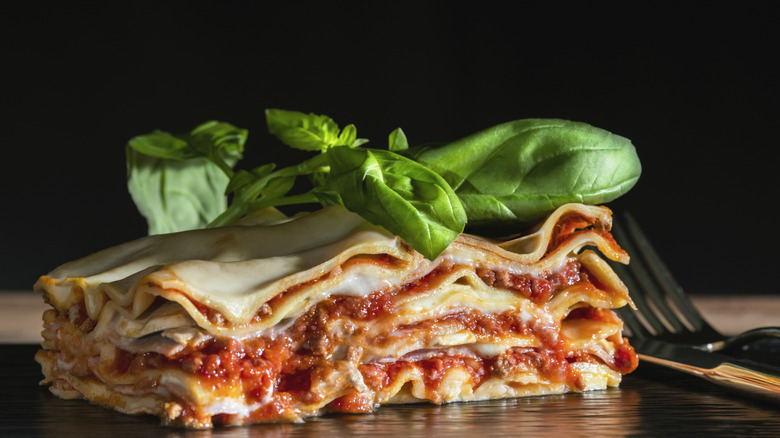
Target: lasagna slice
[(278, 319)]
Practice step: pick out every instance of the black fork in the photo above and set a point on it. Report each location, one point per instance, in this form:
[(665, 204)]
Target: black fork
[(664, 311)]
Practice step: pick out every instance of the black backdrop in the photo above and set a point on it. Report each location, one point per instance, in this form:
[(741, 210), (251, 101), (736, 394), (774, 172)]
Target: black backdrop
[(696, 91)]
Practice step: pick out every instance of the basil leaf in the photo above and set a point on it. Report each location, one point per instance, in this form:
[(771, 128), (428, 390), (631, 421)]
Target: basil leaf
[(359, 142), (178, 182), (310, 132), (175, 195), (161, 144), (396, 193), (518, 172), (219, 142), (348, 135), (397, 141)]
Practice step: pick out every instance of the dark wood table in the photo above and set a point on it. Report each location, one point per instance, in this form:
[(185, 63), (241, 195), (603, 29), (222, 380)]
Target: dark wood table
[(651, 402)]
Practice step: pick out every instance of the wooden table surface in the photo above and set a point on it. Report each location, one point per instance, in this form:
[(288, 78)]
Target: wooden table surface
[(652, 401)]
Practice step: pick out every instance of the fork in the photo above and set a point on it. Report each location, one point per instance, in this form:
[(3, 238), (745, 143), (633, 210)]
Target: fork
[(667, 329), (664, 311)]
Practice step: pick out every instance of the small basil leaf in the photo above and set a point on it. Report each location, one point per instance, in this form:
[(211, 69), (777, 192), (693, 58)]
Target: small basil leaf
[(397, 141), (244, 178), (161, 144), (359, 142), (218, 139), (520, 171), (240, 179), (348, 136), (261, 181), (263, 170), (398, 194), (310, 132), (278, 187)]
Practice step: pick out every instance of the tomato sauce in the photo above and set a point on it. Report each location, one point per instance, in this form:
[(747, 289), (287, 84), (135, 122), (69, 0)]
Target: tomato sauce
[(380, 375), (549, 363), (571, 224), (592, 314), (626, 359), (352, 403)]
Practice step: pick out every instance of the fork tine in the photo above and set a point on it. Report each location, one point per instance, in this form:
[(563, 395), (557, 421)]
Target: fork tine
[(630, 316), (646, 295), (635, 326), (665, 279)]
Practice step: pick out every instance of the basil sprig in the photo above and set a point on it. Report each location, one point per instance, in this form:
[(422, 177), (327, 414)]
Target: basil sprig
[(513, 173)]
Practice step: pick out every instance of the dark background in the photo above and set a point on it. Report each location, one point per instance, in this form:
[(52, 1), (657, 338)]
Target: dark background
[(695, 90)]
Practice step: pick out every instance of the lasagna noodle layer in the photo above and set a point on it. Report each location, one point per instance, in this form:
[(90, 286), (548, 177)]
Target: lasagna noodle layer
[(239, 332)]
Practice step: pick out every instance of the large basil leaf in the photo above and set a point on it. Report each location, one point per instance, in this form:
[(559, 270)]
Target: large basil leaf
[(178, 182), (396, 193), (518, 172), (175, 195)]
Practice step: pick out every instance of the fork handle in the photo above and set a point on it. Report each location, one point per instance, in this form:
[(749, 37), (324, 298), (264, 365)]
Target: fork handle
[(746, 377), (743, 338)]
